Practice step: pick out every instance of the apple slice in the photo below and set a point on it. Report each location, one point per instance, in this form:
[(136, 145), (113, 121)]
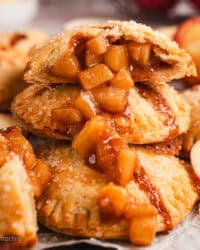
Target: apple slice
[(188, 38), (195, 159)]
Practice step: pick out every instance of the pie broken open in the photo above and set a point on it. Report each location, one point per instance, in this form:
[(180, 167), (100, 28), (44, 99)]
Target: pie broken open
[(93, 55)]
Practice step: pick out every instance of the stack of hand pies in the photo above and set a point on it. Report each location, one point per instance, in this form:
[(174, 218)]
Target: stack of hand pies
[(109, 168)]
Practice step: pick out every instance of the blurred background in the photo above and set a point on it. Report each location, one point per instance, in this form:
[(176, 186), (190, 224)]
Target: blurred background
[(50, 15)]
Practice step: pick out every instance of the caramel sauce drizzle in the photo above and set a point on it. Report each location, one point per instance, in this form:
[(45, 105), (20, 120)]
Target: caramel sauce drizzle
[(160, 105), (154, 196)]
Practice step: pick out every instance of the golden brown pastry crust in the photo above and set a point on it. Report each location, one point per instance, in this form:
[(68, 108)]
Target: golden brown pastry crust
[(148, 122), (11, 82), (13, 142), (192, 96), (180, 63), (14, 49), (172, 147), (168, 30), (17, 186), (69, 204), (18, 221)]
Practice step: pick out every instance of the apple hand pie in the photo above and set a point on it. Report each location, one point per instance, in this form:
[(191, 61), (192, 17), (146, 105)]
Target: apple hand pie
[(18, 221), (14, 50), (80, 201), (146, 113), (94, 55), (192, 96)]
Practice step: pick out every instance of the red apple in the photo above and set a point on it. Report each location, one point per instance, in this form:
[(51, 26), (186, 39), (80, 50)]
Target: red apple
[(195, 159), (156, 5), (188, 38)]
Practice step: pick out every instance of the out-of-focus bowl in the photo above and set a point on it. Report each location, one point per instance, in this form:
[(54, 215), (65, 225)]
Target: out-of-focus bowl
[(16, 14)]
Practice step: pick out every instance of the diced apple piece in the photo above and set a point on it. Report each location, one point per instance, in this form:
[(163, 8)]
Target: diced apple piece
[(66, 115), (92, 59), (116, 57), (107, 152), (195, 159), (86, 104), (112, 200), (66, 66), (85, 142), (122, 79), (188, 38), (142, 230), (111, 99), (140, 53), (125, 164), (95, 76), (98, 45), (139, 210)]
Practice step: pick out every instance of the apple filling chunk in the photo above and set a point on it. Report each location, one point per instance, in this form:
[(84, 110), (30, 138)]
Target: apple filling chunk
[(86, 104), (110, 98), (95, 76), (140, 53), (66, 66), (98, 45), (122, 79), (107, 151), (92, 59), (126, 163), (85, 142), (143, 229), (112, 200), (116, 57), (67, 115)]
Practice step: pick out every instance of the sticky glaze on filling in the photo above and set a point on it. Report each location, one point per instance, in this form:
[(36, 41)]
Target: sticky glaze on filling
[(93, 61)]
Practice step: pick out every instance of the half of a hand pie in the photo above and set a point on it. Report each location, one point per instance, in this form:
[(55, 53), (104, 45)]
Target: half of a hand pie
[(94, 55), (146, 113), (70, 202), (18, 221)]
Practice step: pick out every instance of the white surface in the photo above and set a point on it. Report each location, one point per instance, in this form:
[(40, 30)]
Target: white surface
[(17, 14)]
